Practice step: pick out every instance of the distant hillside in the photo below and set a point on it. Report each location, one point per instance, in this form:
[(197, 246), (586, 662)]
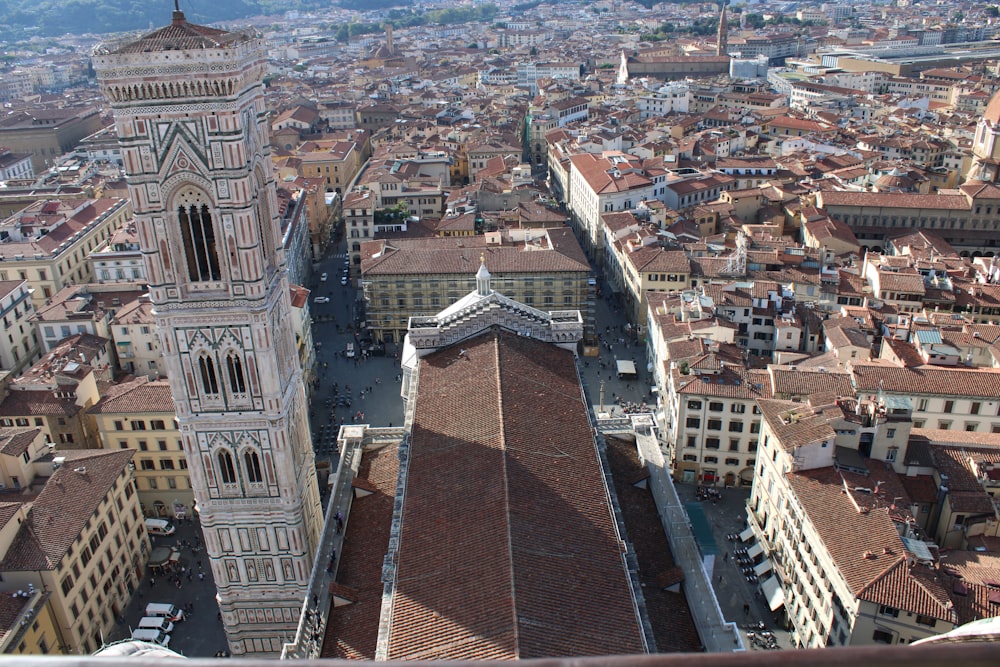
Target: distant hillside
[(51, 18)]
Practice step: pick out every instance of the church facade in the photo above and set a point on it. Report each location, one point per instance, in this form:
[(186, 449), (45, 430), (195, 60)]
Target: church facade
[(189, 109)]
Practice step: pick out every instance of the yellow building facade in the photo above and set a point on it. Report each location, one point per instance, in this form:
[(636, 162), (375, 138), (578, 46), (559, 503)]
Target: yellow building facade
[(139, 416)]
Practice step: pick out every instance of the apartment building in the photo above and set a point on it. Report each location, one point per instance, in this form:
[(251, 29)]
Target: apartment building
[(712, 431), (137, 339), (19, 348), (47, 243), (648, 267), (82, 309), (81, 540), (542, 268), (833, 525), (968, 218), (47, 133), (138, 415), (336, 163), (748, 172), (600, 184), (672, 97), (14, 165), (529, 73), (359, 224), (55, 392), (964, 470), (119, 260), (480, 154), (27, 623), (946, 398)]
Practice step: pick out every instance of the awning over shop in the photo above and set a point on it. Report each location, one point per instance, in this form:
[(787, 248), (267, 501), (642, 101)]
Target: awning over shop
[(626, 367), (159, 556), (772, 591), (762, 567), (755, 550), (746, 535)]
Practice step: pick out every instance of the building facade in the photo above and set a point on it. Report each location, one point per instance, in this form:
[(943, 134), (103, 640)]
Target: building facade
[(194, 135), (418, 277), (139, 415), (20, 348), (47, 243)]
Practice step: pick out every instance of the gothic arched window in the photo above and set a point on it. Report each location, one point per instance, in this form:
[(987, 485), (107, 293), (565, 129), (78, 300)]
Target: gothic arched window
[(252, 463), (237, 382), (198, 237), (226, 468), (209, 380)]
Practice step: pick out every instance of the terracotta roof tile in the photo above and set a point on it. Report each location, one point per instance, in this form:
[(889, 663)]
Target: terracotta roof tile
[(875, 375), (352, 630), (847, 533), (669, 614), (508, 547), (60, 511), (138, 395), (918, 590)]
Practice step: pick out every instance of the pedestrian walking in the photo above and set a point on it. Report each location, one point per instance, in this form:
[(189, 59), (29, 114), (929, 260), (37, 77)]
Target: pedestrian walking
[(725, 558), (746, 609), (201, 576)]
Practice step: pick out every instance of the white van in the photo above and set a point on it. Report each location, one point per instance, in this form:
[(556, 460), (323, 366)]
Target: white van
[(159, 527), (156, 623), (152, 636), (168, 611)]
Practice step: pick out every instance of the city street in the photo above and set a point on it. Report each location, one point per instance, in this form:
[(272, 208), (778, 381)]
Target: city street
[(363, 389), (200, 634)]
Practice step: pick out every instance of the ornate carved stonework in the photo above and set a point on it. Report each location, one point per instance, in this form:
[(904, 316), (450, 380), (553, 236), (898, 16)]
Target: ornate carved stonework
[(193, 131)]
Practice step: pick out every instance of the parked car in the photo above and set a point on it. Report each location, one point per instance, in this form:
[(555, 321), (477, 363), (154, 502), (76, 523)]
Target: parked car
[(321, 299), (159, 527), (151, 636), (343, 280), (166, 610)]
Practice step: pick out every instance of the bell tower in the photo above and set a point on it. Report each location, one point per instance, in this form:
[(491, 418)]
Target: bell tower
[(189, 108), (722, 41)]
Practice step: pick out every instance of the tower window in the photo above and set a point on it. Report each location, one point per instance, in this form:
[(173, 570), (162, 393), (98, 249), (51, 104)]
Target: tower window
[(237, 383), (252, 462), (226, 468), (198, 235), (209, 380)]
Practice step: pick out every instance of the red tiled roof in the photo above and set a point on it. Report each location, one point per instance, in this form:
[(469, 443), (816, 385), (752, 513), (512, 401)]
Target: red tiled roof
[(182, 35), (508, 546), (669, 614), (827, 199), (847, 533), (918, 590), (138, 395), (445, 255), (60, 511), (875, 376), (15, 441), (352, 630)]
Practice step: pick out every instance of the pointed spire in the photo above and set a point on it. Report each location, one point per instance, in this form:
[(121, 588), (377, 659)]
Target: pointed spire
[(483, 278), (722, 43)]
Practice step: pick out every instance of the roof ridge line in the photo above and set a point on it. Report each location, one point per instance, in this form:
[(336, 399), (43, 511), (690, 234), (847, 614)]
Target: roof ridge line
[(506, 491)]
